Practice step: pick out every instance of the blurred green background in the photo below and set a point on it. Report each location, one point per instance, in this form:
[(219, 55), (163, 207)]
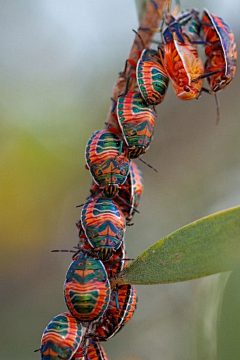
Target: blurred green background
[(59, 61)]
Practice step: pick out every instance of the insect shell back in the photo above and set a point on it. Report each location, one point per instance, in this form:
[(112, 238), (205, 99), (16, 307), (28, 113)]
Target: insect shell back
[(184, 67), (117, 262), (95, 352), (137, 184), (151, 77), (221, 53), (136, 120), (86, 288), (131, 192), (104, 225), (115, 318), (108, 161), (61, 338)]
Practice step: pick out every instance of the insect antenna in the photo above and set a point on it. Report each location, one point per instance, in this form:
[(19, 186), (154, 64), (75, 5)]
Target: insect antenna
[(71, 251), (126, 88), (151, 167), (143, 45), (89, 199), (125, 202), (37, 350), (216, 102), (218, 108), (207, 75), (80, 205)]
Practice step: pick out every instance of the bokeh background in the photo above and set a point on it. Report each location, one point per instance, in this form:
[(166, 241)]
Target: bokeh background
[(59, 60)]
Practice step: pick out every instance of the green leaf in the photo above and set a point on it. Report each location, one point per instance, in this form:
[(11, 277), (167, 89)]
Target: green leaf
[(207, 246)]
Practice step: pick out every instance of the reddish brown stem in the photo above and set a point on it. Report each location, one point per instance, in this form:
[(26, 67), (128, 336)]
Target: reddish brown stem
[(150, 20)]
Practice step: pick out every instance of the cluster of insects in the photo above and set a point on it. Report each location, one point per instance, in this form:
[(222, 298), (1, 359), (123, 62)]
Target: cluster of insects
[(96, 310), (177, 60)]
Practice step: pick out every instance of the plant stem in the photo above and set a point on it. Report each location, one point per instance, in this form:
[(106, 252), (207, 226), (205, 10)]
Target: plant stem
[(150, 19)]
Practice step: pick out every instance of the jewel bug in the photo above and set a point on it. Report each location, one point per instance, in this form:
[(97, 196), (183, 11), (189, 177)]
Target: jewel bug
[(117, 262), (131, 191), (136, 121), (221, 51), (182, 63), (120, 310), (61, 338), (151, 77), (104, 225), (107, 161), (86, 288), (94, 351)]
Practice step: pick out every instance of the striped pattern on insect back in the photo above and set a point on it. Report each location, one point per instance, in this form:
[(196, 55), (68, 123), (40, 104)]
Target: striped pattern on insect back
[(61, 337), (183, 65), (136, 121), (131, 192), (104, 225), (87, 288), (82, 350), (222, 53), (116, 263), (126, 193), (95, 351), (137, 184), (113, 319), (107, 158), (151, 77)]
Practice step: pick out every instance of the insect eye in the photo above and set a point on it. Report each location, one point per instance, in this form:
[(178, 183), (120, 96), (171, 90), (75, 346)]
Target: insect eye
[(186, 88)]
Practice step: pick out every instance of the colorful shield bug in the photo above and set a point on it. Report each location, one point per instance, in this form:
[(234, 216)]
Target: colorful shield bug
[(182, 63), (107, 160), (94, 352), (221, 51), (61, 338), (104, 225), (86, 288), (117, 262), (131, 191), (136, 121), (120, 310), (151, 77)]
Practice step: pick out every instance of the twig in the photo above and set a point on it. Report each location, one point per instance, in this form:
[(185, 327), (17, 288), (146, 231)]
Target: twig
[(150, 20)]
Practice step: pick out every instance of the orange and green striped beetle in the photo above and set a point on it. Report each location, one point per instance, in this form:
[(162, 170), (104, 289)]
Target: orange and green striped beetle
[(94, 352), (117, 262), (151, 77), (120, 310), (61, 338), (86, 288), (136, 121), (182, 63), (221, 51), (131, 191), (107, 160), (104, 225)]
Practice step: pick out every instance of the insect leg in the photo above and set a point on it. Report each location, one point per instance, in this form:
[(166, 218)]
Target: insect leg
[(216, 101), (207, 75)]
